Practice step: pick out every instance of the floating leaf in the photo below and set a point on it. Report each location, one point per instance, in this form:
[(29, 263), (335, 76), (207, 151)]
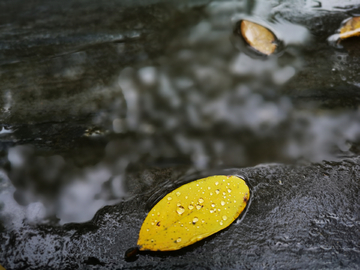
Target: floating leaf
[(258, 37), (351, 28), (193, 212)]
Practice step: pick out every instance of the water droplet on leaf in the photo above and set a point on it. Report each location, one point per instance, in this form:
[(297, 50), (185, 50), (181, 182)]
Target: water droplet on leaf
[(180, 210)]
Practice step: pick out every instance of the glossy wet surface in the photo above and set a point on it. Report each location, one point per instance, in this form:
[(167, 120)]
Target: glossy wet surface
[(119, 103)]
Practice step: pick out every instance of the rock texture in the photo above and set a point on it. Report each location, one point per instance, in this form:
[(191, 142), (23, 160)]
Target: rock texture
[(299, 217)]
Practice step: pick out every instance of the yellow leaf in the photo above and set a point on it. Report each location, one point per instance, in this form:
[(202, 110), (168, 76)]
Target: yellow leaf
[(1, 268), (258, 37), (351, 28), (193, 212)]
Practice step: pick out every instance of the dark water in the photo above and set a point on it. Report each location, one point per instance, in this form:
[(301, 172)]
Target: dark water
[(117, 103)]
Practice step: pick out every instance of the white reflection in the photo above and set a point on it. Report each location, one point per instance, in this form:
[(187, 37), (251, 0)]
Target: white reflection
[(281, 76), (118, 125), (291, 34), (167, 90), (78, 199), (8, 100), (118, 186), (35, 212), (5, 131), (329, 5), (18, 155), (11, 213), (317, 137), (148, 75), (245, 65), (131, 97)]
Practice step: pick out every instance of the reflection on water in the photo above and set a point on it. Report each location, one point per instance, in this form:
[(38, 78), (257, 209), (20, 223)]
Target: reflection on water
[(199, 101)]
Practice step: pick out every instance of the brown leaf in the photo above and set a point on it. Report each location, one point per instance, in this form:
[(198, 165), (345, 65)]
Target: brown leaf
[(258, 37), (351, 28)]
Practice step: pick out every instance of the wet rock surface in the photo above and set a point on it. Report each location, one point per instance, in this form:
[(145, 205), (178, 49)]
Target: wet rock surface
[(299, 217), (107, 107)]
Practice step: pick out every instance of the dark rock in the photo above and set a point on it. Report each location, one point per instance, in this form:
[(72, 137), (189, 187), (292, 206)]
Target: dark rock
[(299, 217)]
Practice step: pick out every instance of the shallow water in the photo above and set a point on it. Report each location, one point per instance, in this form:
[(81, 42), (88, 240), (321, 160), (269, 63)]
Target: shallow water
[(95, 95), (166, 87)]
